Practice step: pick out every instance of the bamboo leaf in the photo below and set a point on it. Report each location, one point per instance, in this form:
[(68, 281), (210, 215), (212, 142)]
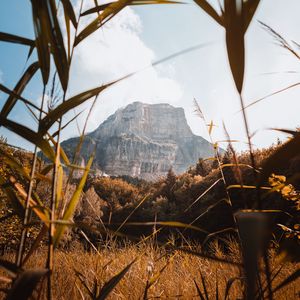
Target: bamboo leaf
[(72, 204), (111, 284), (11, 101), (25, 284), (11, 38)]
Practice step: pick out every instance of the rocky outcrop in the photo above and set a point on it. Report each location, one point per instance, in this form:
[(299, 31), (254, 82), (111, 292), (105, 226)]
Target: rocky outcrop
[(144, 140)]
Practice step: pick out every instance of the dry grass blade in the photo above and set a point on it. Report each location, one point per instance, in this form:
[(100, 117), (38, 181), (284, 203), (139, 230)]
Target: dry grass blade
[(229, 284), (167, 224), (69, 104), (12, 196), (101, 8), (198, 290), (207, 256), (36, 243), (111, 284), (15, 95), (272, 94), (11, 38), (155, 278), (72, 204), (204, 286), (203, 194), (25, 284), (282, 42), (11, 268), (29, 135), (108, 12), (14, 164), (210, 11), (11, 101), (69, 11), (293, 277)]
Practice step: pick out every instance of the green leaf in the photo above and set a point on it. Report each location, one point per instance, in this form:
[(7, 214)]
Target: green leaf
[(111, 284), (25, 284), (19, 88), (72, 204), (11, 38)]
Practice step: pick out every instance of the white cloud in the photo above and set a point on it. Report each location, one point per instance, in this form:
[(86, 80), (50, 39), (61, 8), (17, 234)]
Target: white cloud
[(111, 52)]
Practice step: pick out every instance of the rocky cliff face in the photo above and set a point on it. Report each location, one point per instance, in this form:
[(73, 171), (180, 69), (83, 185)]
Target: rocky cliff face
[(145, 140)]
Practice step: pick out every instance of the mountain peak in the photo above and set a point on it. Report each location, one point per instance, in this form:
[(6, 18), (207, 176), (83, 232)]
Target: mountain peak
[(146, 140)]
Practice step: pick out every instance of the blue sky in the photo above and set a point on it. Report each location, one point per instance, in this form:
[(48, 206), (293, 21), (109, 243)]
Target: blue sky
[(139, 36)]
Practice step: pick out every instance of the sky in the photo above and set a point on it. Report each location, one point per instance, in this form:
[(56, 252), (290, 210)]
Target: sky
[(139, 36)]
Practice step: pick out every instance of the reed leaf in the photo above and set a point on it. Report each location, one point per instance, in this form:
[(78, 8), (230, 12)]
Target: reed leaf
[(29, 135), (11, 38), (111, 284), (67, 105), (108, 12), (210, 11), (72, 204), (11, 101), (25, 284), (293, 277), (198, 290), (42, 39)]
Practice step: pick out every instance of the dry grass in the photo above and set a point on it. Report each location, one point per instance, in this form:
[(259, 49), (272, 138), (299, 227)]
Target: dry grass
[(175, 282)]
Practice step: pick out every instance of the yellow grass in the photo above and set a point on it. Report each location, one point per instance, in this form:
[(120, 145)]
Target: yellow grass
[(175, 282)]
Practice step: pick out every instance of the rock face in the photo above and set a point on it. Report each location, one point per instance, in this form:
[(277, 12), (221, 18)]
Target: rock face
[(145, 140)]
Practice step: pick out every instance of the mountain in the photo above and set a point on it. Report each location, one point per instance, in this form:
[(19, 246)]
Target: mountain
[(144, 140)]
